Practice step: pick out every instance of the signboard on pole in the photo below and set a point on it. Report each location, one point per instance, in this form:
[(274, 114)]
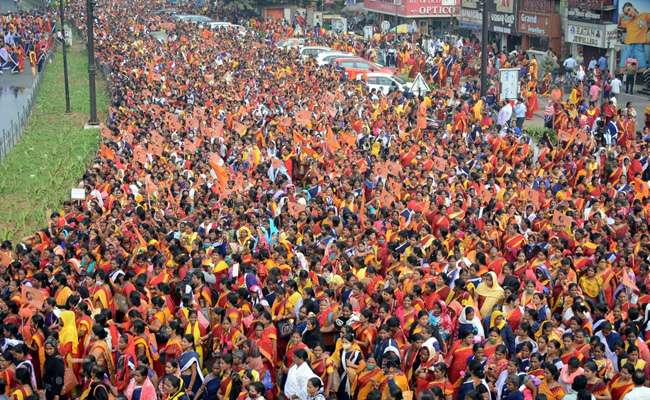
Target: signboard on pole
[(420, 86), (509, 83)]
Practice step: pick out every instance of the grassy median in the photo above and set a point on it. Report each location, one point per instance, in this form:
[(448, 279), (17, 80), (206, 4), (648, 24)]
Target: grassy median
[(51, 155)]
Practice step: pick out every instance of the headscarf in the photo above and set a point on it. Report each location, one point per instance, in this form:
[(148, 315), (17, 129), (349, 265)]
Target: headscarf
[(127, 358), (433, 355), (314, 336), (148, 391), (492, 294), (51, 362), (68, 333), (475, 322), (443, 320), (296, 379), (495, 315)]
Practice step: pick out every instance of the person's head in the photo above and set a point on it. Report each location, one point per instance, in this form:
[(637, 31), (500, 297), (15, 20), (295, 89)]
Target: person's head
[(140, 374), (172, 384), (638, 377), (579, 383), (314, 385), (256, 389), (513, 382)]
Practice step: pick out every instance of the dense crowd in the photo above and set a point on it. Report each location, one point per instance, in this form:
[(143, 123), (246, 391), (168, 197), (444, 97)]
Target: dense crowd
[(256, 227), (25, 39)]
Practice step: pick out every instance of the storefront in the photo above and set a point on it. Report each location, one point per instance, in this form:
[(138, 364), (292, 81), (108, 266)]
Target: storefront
[(540, 26), (590, 29), (433, 17), (593, 40), (502, 21)]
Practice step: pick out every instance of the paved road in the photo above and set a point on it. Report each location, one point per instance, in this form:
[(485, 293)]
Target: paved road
[(639, 102), (15, 90)]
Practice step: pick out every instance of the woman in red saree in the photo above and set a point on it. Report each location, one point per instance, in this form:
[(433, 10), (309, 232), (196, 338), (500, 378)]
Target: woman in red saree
[(84, 325), (125, 361), (622, 383), (608, 277), (173, 348), (441, 380), (323, 367), (425, 374), (294, 344), (547, 84), (443, 290), (407, 314), (263, 338), (457, 358)]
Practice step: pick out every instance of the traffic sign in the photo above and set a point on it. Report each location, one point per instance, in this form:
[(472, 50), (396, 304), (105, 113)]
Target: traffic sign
[(420, 86)]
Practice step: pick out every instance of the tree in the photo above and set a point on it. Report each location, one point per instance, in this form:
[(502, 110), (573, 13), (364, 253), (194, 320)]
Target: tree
[(548, 64)]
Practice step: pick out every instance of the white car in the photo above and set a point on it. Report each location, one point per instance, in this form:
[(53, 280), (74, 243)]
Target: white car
[(196, 19), (291, 42), (385, 82), (326, 58), (307, 51)]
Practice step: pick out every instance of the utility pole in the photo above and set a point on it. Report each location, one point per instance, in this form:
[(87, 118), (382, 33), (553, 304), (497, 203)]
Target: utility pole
[(484, 48), (90, 20), (65, 60)]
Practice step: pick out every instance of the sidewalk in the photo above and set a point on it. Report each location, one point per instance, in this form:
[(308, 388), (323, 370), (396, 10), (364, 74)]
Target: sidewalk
[(639, 102)]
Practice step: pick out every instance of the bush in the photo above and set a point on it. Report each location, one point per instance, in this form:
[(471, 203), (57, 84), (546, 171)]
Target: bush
[(538, 132)]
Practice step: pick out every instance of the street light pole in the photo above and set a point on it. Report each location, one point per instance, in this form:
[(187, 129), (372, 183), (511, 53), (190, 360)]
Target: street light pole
[(484, 48), (90, 20), (65, 60)]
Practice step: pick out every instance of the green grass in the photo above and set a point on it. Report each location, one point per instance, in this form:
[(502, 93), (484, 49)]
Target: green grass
[(53, 152)]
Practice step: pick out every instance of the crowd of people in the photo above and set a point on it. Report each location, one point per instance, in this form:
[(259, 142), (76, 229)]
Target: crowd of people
[(25, 39), (258, 227)]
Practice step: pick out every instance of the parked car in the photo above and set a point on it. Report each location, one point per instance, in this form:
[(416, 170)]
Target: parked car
[(356, 66), (192, 18), (326, 58), (385, 82), (291, 42), (167, 11), (307, 51)]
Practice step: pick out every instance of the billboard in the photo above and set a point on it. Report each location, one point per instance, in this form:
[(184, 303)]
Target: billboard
[(634, 20)]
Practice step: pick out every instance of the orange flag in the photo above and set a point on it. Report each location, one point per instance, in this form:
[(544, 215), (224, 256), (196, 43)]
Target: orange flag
[(106, 152), (308, 151), (333, 142), (561, 219), (139, 236)]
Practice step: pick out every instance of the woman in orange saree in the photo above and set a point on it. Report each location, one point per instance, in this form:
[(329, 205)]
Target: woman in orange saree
[(457, 358), (550, 386), (323, 366), (368, 375), (622, 383)]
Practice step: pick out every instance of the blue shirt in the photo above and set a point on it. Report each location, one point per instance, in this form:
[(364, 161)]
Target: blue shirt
[(602, 63), (520, 110)]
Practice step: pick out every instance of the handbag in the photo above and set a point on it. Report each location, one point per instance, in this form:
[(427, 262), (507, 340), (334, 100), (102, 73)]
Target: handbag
[(336, 381), (267, 381), (69, 381), (120, 303), (285, 327)]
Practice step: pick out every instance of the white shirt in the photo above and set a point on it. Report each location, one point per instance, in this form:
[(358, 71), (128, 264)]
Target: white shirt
[(508, 111), (616, 85), (638, 393)]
